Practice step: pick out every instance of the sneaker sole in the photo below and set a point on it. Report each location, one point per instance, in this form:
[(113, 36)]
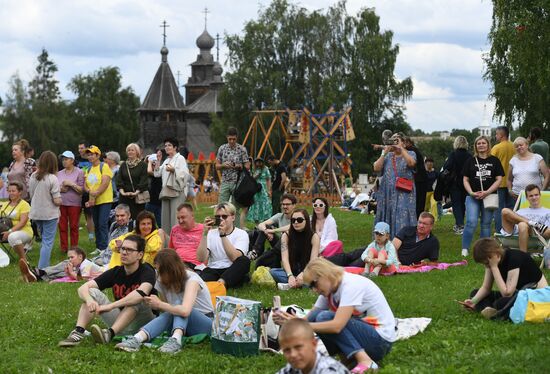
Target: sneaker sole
[(68, 344), (97, 334), (126, 349), (26, 272)]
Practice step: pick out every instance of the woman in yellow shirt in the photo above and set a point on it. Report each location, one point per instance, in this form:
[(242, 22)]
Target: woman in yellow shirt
[(20, 235), (146, 227)]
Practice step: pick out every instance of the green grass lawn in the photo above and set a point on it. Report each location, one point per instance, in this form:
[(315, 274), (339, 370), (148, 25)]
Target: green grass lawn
[(34, 317)]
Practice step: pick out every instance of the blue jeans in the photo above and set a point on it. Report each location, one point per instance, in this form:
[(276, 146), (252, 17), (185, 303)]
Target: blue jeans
[(355, 337), (195, 323), (100, 215), (47, 230), (473, 208), (504, 201), (279, 274)]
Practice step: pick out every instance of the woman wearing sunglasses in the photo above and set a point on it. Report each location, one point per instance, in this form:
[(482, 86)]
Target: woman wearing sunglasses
[(351, 315), (299, 246), (323, 223)]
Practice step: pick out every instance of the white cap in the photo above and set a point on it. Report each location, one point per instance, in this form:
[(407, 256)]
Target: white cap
[(68, 154)]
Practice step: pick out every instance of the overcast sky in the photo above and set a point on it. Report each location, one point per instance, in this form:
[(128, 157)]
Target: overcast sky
[(441, 44)]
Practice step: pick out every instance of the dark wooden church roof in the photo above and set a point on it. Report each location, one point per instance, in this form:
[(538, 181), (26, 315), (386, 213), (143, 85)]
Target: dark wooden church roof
[(163, 93)]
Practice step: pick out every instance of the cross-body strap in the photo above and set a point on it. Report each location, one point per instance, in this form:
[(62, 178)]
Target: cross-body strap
[(130, 175), (480, 179)]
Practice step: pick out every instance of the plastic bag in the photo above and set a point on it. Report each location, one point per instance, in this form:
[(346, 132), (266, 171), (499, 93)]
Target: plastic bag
[(262, 277)]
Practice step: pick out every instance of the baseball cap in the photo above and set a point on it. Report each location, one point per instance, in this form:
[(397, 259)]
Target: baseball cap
[(68, 154), (93, 149), (382, 228)]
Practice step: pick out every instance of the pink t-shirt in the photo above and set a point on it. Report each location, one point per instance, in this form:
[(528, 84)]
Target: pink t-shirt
[(70, 197), (186, 242)]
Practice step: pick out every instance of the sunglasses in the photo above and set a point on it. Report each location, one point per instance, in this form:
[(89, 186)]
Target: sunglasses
[(297, 220), (221, 216), (379, 233), (319, 205), (127, 250)]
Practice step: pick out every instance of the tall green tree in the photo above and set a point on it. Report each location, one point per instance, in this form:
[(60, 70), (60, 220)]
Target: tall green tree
[(104, 112), (291, 57), (517, 64)]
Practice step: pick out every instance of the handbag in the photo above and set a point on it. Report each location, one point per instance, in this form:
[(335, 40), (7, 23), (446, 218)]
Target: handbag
[(236, 329), (402, 184), (142, 197), (5, 221), (246, 188), (490, 202)]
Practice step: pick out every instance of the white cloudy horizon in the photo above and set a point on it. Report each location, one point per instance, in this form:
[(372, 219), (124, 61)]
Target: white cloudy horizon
[(441, 45)]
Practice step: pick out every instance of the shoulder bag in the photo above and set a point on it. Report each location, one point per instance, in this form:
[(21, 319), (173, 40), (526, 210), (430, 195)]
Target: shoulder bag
[(246, 188), (401, 184), (6, 222), (142, 197), (490, 201)]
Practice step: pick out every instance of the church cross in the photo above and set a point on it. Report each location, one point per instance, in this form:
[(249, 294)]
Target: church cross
[(164, 26), (205, 16)]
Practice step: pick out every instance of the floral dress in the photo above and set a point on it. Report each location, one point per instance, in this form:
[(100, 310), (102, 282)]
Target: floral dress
[(396, 208), (261, 209)]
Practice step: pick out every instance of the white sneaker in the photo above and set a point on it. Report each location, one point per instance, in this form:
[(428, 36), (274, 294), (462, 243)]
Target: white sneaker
[(464, 252), (283, 286)]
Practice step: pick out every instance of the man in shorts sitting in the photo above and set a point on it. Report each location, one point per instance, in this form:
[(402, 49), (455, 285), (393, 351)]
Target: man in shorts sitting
[(130, 283), (527, 220)]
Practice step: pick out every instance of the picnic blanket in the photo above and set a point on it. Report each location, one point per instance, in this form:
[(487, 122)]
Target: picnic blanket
[(405, 269)]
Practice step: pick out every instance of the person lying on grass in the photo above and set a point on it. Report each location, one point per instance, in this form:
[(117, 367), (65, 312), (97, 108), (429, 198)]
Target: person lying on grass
[(186, 305), (510, 269), (131, 283), (380, 254), (299, 346), (75, 267), (351, 315)]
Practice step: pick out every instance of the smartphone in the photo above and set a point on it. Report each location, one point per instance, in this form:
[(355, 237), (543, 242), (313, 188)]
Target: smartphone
[(276, 302), (217, 221)]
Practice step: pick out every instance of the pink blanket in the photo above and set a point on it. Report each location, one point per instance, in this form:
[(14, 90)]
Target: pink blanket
[(404, 269)]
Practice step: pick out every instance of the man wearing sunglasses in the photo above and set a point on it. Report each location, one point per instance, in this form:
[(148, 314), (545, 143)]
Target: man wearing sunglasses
[(224, 246), (130, 283), (416, 243), (271, 231)]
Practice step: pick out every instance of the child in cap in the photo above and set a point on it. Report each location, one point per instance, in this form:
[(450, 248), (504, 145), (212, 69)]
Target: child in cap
[(380, 254)]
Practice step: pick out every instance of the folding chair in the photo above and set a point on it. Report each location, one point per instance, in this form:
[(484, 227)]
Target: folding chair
[(9, 250)]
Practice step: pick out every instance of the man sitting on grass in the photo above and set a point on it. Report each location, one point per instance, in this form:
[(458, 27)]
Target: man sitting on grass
[(299, 347), (526, 220), (185, 237), (130, 283), (416, 243)]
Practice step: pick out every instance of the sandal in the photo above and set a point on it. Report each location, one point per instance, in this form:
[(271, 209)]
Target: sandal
[(361, 368)]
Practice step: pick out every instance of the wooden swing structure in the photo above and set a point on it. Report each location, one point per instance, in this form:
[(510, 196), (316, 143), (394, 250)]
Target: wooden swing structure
[(316, 145)]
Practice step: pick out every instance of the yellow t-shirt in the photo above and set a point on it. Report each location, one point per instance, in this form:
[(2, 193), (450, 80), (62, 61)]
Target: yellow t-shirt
[(504, 151), (22, 207), (153, 244), (93, 181)]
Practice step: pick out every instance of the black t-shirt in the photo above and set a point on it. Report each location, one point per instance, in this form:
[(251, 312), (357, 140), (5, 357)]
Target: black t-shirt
[(528, 271), (489, 168), (121, 283), (279, 169), (412, 251)]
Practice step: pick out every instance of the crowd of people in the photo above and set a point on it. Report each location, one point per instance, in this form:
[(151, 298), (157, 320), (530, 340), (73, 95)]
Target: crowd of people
[(158, 260)]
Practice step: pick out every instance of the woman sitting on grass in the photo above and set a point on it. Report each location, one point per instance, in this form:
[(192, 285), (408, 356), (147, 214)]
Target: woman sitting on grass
[(324, 224), (186, 305), (510, 269), (351, 315), (380, 254), (146, 227), (75, 267), (298, 247)]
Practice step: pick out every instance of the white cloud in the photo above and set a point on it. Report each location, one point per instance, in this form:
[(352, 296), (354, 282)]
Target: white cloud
[(425, 91)]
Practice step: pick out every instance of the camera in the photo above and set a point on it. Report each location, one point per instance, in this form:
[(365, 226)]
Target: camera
[(217, 221)]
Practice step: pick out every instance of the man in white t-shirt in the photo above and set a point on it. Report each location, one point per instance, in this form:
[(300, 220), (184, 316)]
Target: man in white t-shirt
[(224, 246), (523, 221)]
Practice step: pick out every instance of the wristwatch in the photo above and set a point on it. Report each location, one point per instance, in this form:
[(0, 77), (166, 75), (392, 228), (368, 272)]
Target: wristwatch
[(289, 275), (223, 235)]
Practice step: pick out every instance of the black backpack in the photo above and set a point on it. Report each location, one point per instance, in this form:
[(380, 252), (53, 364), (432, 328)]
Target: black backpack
[(246, 188)]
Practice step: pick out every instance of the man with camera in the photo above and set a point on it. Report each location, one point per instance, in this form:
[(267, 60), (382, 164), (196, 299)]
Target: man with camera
[(224, 246), (231, 159)]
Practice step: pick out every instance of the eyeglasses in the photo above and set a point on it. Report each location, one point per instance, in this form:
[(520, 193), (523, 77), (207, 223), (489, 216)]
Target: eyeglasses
[(297, 220), (320, 205), (128, 250), (313, 284), (221, 216), (379, 233)]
